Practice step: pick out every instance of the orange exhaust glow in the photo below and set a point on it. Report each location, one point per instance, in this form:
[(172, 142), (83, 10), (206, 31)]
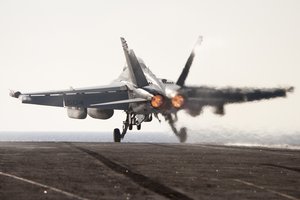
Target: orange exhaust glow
[(157, 101), (178, 101)]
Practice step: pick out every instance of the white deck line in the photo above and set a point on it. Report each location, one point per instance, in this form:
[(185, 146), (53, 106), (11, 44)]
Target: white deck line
[(268, 190), (43, 185)]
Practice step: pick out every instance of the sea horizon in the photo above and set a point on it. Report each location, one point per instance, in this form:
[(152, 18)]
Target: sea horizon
[(234, 138)]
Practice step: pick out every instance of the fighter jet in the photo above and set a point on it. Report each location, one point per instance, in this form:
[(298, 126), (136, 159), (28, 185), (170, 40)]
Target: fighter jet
[(142, 96)]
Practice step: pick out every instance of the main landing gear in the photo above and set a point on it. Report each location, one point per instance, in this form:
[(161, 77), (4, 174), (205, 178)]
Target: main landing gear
[(117, 135), (182, 133), (131, 120)]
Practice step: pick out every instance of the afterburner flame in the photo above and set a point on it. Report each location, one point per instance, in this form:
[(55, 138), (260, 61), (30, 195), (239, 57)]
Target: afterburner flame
[(178, 101), (157, 101)]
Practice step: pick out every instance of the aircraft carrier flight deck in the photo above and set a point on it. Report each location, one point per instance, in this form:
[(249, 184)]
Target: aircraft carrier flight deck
[(63, 170)]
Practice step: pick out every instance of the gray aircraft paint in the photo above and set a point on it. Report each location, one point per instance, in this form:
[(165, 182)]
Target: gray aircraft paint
[(135, 88)]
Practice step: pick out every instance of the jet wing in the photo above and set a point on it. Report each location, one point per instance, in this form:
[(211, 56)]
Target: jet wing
[(113, 96), (198, 97)]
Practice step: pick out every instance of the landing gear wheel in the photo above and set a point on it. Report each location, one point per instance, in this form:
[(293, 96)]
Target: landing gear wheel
[(182, 135), (130, 127), (117, 135), (138, 127), (150, 118)]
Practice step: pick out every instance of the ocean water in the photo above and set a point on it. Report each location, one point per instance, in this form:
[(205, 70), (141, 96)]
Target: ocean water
[(216, 137)]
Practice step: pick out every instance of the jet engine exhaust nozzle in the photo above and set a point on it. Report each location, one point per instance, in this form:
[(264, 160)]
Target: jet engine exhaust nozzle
[(177, 101), (157, 101)]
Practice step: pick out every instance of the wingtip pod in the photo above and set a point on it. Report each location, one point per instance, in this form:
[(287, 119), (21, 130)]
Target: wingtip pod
[(197, 44), (290, 89), (14, 94), (199, 41), (124, 43)]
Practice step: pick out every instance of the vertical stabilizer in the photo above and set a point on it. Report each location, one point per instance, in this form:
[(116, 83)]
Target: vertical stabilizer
[(136, 72), (186, 69)]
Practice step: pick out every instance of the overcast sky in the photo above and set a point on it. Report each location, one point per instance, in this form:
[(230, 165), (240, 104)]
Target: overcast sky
[(48, 45)]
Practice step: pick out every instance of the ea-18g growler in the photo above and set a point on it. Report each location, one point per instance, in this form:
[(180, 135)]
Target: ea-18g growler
[(143, 96)]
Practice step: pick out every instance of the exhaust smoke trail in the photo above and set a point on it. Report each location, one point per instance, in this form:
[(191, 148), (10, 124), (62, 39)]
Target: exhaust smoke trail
[(198, 97)]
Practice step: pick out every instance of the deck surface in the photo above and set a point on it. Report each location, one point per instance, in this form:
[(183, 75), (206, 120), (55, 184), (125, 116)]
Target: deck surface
[(39, 170)]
